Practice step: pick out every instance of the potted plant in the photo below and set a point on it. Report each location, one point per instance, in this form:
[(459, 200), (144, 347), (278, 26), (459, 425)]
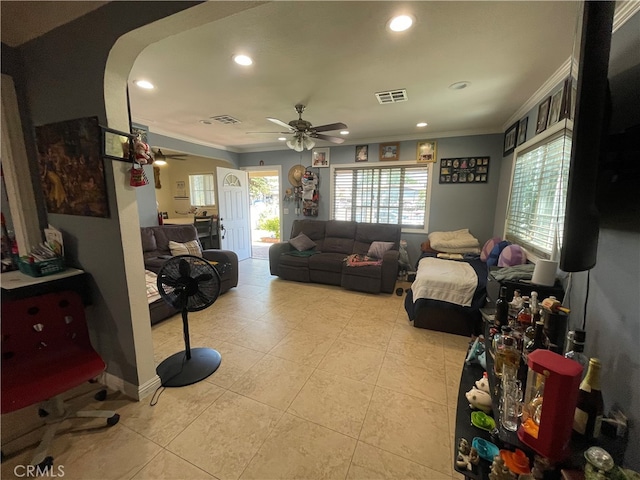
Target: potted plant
[(271, 225)]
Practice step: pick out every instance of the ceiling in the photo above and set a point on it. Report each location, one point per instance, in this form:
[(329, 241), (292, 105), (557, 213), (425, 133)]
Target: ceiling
[(334, 56)]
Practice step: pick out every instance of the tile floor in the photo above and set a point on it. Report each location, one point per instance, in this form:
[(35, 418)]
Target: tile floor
[(316, 382)]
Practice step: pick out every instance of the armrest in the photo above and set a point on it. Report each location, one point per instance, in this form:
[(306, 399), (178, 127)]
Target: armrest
[(389, 271), (275, 250), (222, 257)]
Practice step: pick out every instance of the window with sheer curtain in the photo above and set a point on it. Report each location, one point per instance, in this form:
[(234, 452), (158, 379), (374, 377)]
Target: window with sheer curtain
[(535, 217), (393, 194), (202, 190)]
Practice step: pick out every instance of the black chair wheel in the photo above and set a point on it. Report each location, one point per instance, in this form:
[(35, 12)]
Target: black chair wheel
[(45, 464), (101, 396), (111, 421), (42, 413), (399, 291)]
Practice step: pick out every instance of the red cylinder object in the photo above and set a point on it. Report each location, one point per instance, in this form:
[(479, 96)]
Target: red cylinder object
[(550, 402)]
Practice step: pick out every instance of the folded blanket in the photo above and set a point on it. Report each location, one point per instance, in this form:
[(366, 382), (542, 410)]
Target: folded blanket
[(517, 272), (152, 286), (361, 261), (457, 241), (302, 253), (446, 280)]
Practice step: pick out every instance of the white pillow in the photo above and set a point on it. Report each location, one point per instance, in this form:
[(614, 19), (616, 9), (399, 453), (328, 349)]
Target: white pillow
[(377, 249), (188, 248)]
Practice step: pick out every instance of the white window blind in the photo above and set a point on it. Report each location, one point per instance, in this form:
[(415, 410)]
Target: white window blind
[(201, 188), (535, 217), (394, 195)]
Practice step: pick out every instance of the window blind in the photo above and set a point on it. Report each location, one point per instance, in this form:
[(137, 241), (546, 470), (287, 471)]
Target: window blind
[(394, 195), (535, 217)]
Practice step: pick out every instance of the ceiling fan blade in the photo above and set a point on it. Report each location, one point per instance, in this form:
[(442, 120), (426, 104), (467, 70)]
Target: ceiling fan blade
[(327, 138), (329, 127), (281, 123), (278, 133)]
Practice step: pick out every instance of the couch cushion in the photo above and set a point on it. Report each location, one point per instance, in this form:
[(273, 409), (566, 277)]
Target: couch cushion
[(187, 248), (294, 261), (367, 233), (302, 242), (148, 240), (343, 246), (176, 233), (328, 262)]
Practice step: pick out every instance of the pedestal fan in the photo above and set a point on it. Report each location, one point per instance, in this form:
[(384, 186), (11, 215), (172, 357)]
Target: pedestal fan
[(189, 284)]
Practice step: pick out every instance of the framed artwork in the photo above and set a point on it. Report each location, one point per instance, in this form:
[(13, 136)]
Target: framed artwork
[(320, 157), (543, 115), (72, 168), (556, 108), (510, 138), (522, 130), (362, 153), (115, 145), (426, 151), (464, 170), (390, 151)]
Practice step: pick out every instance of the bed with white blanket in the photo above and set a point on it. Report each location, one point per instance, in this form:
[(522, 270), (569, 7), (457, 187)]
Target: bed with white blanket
[(447, 295)]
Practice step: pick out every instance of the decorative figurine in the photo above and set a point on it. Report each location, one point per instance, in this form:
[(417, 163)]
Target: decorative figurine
[(499, 470), (483, 384), (479, 400), (467, 457)]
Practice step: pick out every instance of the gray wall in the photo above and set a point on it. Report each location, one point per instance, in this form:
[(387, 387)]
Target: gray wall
[(452, 206)]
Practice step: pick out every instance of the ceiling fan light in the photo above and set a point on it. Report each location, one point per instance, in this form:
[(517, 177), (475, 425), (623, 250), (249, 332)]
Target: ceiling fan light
[(160, 162), (290, 145), (308, 143)]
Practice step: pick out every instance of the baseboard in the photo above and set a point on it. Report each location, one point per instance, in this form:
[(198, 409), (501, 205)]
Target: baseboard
[(137, 392)]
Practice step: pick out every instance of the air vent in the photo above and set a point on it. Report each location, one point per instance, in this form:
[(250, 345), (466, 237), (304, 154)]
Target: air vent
[(392, 96), (226, 119)]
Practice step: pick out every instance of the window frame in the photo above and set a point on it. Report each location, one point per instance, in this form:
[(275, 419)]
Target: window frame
[(213, 189), (561, 129), (395, 164)]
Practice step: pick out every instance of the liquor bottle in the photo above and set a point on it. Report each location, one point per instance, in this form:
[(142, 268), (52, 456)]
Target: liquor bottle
[(538, 340), (590, 407), (525, 315), (576, 353), (502, 309)]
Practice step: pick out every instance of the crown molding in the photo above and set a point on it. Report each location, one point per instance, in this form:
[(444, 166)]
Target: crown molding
[(624, 11)]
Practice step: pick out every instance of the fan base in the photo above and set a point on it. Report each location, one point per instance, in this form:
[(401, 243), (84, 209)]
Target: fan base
[(177, 371)]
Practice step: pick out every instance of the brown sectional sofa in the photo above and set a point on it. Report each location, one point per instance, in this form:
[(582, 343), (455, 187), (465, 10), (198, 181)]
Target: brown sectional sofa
[(155, 248), (335, 240)]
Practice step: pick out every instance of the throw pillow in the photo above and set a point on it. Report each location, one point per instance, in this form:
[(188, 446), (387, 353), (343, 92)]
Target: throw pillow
[(512, 255), (492, 259), (377, 249), (302, 242), (488, 246), (188, 248)]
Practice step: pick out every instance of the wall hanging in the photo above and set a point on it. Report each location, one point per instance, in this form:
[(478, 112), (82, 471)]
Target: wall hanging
[(70, 160), (464, 170)]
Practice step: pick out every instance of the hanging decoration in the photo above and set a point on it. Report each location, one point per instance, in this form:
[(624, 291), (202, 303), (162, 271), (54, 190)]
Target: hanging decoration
[(310, 196)]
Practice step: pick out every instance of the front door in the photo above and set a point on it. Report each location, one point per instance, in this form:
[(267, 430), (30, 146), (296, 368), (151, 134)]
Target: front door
[(233, 211)]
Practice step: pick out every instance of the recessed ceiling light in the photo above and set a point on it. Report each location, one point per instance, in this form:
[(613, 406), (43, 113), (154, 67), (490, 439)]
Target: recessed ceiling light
[(282, 139), (344, 132), (421, 124), (242, 60), (459, 85), (401, 23), (145, 84)]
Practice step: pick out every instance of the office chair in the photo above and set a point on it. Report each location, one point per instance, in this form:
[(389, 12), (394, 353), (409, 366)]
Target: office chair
[(205, 227), (46, 351)]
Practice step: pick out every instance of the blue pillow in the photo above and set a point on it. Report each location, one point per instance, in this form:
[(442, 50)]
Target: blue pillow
[(494, 255)]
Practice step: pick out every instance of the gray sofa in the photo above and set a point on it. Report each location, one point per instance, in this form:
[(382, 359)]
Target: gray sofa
[(155, 248), (335, 240)]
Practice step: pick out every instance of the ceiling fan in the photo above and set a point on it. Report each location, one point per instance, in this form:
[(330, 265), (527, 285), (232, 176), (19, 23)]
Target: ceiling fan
[(161, 158), (304, 133)]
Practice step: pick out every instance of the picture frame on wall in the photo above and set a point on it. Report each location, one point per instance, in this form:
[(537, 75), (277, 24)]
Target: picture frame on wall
[(362, 153), (426, 151), (320, 157), (522, 130), (510, 138), (543, 115), (556, 107), (390, 151), (115, 145)]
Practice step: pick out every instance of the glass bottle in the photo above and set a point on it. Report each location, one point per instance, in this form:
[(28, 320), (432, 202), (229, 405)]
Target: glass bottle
[(590, 407), (524, 315), (577, 354), (502, 309), (506, 353), (537, 341)]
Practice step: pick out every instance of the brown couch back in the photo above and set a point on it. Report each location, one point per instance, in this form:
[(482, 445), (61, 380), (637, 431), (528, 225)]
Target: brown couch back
[(336, 236), (155, 240)]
